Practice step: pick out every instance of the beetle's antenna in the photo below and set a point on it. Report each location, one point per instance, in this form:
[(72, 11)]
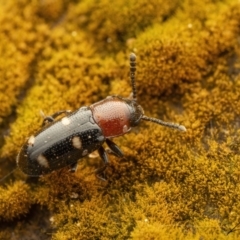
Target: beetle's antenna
[(3, 178), (132, 59), (166, 124)]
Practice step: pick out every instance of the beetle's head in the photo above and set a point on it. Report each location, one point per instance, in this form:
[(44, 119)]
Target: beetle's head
[(136, 112)]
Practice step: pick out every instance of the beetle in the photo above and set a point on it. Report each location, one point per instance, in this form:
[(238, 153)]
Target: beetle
[(61, 143)]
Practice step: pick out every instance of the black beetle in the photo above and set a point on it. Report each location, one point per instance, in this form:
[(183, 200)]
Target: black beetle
[(63, 142)]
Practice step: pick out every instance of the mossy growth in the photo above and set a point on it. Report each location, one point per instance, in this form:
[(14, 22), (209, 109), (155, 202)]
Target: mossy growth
[(15, 201), (112, 25), (169, 185)]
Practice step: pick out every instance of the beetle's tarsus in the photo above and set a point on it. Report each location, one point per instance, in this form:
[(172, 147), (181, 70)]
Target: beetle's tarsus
[(73, 167), (101, 178)]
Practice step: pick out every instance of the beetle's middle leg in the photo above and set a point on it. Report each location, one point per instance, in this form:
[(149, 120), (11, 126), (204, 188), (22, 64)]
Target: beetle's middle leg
[(48, 119)]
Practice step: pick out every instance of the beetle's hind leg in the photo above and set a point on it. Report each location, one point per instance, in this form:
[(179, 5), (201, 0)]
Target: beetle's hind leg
[(48, 119), (114, 149)]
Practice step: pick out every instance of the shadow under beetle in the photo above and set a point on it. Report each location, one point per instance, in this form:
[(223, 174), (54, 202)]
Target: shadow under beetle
[(63, 142)]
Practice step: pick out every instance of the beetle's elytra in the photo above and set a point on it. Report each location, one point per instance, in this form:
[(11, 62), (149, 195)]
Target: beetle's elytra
[(63, 142)]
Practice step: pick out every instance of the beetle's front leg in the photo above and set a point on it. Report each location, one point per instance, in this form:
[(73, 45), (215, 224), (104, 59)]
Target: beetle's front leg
[(102, 153), (114, 149), (48, 119)]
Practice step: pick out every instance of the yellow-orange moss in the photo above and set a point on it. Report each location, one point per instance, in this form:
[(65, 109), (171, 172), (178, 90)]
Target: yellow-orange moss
[(110, 24), (110, 216), (51, 10), (183, 51), (187, 72), (71, 78), (15, 201), (22, 36), (206, 228)]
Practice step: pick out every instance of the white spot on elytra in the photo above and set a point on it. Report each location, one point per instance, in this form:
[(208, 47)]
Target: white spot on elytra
[(31, 140), (76, 142), (125, 128), (85, 152), (43, 161), (65, 121)]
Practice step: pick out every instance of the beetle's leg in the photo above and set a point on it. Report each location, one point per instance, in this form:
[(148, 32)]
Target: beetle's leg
[(56, 114), (48, 119), (73, 167), (103, 155), (114, 148), (94, 154), (130, 96)]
